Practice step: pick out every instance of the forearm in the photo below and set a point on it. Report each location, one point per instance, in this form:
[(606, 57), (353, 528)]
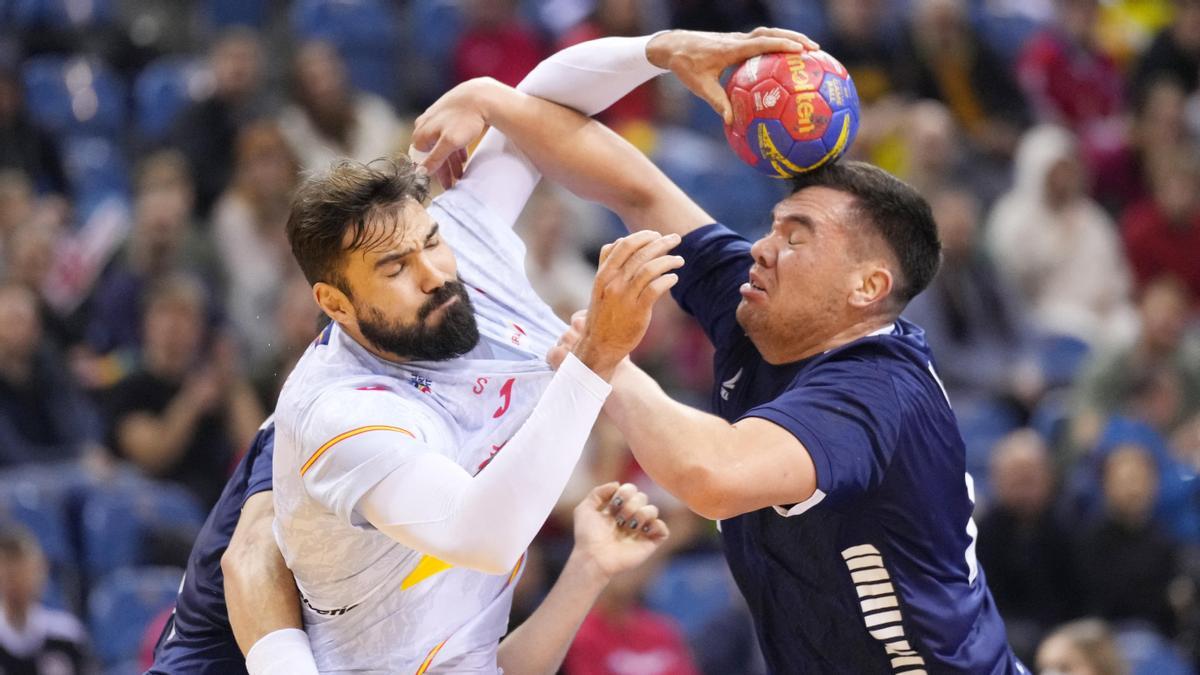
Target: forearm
[(260, 591), (485, 521), (592, 75), (681, 448), (540, 644), (590, 160), (157, 442)]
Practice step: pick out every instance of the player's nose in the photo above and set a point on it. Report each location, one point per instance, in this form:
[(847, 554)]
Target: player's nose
[(763, 252), (430, 275)]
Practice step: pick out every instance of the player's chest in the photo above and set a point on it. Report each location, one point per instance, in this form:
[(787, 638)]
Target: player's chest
[(481, 414)]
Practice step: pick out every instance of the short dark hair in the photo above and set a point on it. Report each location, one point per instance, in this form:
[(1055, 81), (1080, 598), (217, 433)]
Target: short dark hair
[(895, 210), (342, 199)]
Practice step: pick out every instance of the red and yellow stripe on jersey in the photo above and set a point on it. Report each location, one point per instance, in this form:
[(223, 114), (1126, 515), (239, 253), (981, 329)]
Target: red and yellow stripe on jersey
[(349, 434)]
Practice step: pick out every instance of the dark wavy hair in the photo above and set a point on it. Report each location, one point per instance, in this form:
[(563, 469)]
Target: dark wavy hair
[(347, 198), (894, 210)]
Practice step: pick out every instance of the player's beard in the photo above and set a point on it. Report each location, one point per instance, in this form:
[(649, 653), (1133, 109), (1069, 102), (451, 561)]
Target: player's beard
[(455, 335)]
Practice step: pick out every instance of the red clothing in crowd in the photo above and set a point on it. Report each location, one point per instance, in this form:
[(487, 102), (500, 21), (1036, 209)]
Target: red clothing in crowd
[(638, 643), (1155, 246), (506, 53), (1068, 83)]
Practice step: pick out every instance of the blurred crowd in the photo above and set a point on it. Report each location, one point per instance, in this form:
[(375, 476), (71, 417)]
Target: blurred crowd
[(150, 307)]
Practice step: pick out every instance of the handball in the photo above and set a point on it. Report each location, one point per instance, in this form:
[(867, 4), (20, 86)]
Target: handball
[(792, 113)]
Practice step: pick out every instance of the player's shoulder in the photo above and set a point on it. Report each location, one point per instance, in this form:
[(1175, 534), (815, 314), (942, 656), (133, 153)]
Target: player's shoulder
[(360, 402)]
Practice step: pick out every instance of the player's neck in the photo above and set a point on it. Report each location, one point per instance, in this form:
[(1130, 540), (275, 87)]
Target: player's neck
[(792, 351)]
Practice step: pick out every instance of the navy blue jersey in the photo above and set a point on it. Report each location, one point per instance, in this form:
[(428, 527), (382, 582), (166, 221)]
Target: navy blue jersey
[(876, 573), (197, 638)]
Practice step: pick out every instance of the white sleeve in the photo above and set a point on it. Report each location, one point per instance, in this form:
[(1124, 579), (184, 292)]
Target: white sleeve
[(486, 521), (588, 77), (282, 652)]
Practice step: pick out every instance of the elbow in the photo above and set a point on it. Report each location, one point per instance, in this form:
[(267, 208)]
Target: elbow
[(706, 492)]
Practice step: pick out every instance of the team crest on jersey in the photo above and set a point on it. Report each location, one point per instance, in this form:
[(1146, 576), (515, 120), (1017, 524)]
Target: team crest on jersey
[(421, 383)]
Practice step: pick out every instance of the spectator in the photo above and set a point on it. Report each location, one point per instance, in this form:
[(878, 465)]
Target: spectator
[(17, 203), (1084, 647), (163, 241), (249, 230), (328, 119), (741, 15), (621, 637), (22, 145), (554, 261), (1125, 562), (1125, 175), (43, 415), (296, 323), (207, 131), (495, 43), (1116, 380), (34, 639), (1023, 549), (935, 156), (1175, 52), (186, 410), (955, 67), (1162, 233), (879, 65), (1065, 75), (1058, 247), (969, 315)]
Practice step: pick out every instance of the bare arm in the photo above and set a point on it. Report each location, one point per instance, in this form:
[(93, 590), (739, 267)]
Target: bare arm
[(156, 442), (259, 589), (602, 549), (718, 469), (568, 148), (584, 156)]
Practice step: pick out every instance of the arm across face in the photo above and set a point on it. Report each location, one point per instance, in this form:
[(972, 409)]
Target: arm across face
[(582, 154)]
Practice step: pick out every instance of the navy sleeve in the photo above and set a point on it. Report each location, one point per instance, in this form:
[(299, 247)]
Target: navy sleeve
[(845, 415), (716, 263), (260, 462)]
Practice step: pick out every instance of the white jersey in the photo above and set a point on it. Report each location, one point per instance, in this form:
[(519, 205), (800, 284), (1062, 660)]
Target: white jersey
[(372, 605)]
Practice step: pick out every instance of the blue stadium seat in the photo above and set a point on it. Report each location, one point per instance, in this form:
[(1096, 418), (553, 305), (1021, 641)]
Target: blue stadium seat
[(364, 32), (118, 522), (1149, 653), (164, 89), (122, 606), (59, 14), (226, 13), (1061, 358), (38, 500), (96, 168), (693, 590), (75, 95)]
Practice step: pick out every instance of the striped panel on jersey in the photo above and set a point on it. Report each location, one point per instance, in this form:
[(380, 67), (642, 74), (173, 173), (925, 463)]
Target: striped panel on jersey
[(341, 437), (881, 607)]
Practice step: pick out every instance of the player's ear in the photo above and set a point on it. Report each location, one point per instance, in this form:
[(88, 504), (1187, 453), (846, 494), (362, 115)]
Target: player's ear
[(333, 302), (875, 284)]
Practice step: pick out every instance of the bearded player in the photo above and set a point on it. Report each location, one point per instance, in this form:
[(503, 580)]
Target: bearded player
[(259, 590)]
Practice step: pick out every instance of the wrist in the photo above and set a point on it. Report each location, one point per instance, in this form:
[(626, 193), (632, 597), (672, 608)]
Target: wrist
[(600, 361), (659, 49), (587, 570), (490, 97)]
